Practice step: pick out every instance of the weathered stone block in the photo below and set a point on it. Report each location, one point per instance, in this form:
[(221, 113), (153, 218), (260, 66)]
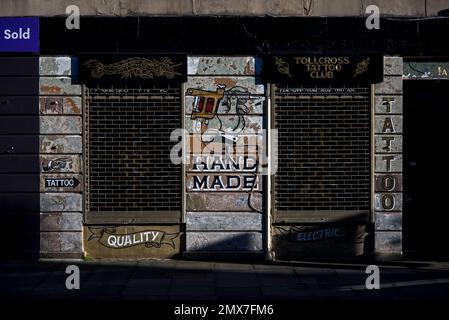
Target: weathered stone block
[(388, 241), (58, 86), (221, 65), (60, 105), (61, 221), (390, 85), (223, 241), (57, 202), (398, 8), (211, 83), (61, 182), (388, 182), (393, 66), (71, 242), (388, 221), (388, 143), (333, 8), (232, 125), (60, 163), (250, 104), (161, 7), (50, 242), (217, 7), (388, 201), (60, 124), (220, 221), (71, 221), (55, 66), (223, 201), (386, 104), (388, 124), (388, 163), (61, 242), (61, 144)]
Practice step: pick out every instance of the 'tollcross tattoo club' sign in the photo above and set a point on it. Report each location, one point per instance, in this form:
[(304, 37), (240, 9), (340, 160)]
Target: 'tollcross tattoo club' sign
[(285, 69)]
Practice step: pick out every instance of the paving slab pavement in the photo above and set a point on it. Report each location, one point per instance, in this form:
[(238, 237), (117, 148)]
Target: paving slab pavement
[(206, 280)]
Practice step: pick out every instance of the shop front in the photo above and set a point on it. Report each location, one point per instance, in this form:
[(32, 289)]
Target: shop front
[(236, 156), (157, 152)]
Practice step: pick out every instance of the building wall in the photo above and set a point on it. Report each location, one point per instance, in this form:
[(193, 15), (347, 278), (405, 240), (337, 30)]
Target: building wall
[(388, 159), (224, 209), (322, 191), (223, 7), (61, 162), (133, 198), (217, 217)]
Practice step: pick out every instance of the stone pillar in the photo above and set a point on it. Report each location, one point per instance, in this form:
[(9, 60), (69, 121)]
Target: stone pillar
[(388, 161), (61, 148), (223, 200)]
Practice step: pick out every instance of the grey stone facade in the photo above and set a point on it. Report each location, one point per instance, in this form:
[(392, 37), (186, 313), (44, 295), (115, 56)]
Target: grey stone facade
[(388, 160), (223, 220), (224, 7), (61, 147)]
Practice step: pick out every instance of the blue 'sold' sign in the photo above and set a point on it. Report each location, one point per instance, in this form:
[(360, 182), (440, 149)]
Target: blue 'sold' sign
[(19, 34)]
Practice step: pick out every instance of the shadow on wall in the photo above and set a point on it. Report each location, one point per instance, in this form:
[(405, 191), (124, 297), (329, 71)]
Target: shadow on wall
[(19, 179), (20, 238), (19, 157), (343, 238), (19, 201)]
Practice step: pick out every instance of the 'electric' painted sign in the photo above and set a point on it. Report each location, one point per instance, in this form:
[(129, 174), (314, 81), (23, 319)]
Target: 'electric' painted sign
[(19, 34)]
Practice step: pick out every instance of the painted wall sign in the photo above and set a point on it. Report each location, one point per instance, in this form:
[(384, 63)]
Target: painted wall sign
[(313, 241), (228, 182), (388, 140), (110, 238), (19, 34), (58, 182), (133, 241), (284, 69), (56, 164), (132, 69), (235, 173), (223, 115), (426, 70), (224, 107), (308, 234)]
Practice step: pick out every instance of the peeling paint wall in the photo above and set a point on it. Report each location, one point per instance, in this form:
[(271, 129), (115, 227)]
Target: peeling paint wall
[(225, 103), (61, 163), (224, 202)]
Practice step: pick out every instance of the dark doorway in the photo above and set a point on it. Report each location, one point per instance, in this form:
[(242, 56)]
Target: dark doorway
[(426, 120)]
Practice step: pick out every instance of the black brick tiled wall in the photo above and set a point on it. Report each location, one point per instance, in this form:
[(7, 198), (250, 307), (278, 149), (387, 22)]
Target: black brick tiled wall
[(324, 150), (129, 150)]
